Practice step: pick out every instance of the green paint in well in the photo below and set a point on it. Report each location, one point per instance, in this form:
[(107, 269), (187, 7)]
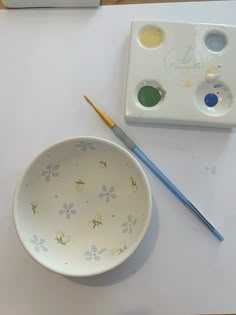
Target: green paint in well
[(150, 96)]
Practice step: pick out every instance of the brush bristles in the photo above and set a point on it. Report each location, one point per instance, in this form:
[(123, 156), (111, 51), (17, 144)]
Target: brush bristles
[(110, 123)]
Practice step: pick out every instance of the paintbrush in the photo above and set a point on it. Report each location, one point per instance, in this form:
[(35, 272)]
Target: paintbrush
[(133, 147)]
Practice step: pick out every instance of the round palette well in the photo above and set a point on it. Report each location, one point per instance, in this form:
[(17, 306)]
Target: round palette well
[(149, 93), (149, 96), (215, 41), (82, 207), (213, 99), (151, 37)]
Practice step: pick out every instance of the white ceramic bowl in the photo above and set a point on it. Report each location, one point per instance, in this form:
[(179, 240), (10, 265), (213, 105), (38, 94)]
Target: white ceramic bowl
[(82, 207)]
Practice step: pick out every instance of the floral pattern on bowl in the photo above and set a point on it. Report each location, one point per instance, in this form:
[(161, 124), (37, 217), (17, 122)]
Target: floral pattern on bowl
[(93, 218), (94, 253), (107, 193), (39, 243), (67, 210), (62, 238), (50, 172), (129, 225), (85, 145)]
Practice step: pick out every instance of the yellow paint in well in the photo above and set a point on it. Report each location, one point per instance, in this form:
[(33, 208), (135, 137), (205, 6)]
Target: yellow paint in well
[(212, 73), (211, 70), (151, 37)]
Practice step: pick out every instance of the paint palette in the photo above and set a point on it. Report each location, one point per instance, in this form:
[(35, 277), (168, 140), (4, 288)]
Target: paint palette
[(181, 73)]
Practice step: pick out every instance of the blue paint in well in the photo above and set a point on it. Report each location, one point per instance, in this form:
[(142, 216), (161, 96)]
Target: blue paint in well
[(211, 99), (215, 41)]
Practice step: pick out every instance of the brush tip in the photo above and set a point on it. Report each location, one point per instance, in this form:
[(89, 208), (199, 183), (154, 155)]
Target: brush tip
[(104, 117), (88, 100)]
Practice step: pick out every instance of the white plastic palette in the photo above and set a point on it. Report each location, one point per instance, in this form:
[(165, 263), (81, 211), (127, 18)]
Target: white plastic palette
[(181, 73)]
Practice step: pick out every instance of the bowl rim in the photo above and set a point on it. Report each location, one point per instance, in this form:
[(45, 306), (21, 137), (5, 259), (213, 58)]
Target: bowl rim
[(148, 210)]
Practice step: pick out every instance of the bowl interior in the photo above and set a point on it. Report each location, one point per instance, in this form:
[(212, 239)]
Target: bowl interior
[(82, 207)]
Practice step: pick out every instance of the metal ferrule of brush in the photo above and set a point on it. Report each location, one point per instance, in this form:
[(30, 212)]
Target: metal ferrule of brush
[(123, 137)]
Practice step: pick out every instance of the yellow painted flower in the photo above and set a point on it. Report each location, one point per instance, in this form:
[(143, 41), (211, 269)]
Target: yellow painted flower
[(98, 218), (79, 185), (96, 221), (35, 207), (62, 239), (119, 251)]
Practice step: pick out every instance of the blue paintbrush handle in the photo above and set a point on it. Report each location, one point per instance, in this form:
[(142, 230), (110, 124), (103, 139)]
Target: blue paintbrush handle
[(175, 191), (132, 146)]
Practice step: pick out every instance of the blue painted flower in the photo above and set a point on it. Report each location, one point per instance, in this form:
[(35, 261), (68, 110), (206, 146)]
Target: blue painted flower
[(107, 193), (50, 171), (84, 146), (129, 225), (94, 253), (38, 244), (67, 210)]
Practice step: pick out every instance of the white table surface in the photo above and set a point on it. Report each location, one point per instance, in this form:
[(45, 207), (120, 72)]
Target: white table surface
[(48, 60)]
